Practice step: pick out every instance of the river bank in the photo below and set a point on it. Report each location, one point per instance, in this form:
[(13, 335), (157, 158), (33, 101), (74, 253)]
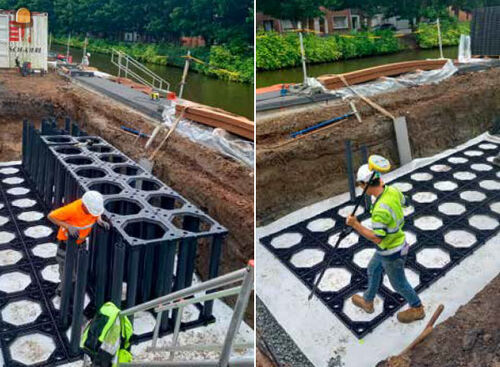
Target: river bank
[(279, 61), (233, 97), (295, 75), (233, 64)]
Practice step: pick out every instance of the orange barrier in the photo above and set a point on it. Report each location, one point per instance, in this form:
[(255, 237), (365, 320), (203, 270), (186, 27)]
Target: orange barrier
[(272, 88)]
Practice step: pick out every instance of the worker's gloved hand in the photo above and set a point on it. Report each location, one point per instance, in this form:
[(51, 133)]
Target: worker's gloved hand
[(73, 232), (351, 220), (104, 224)]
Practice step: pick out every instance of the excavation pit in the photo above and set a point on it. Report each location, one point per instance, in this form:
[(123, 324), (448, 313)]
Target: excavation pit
[(455, 212)]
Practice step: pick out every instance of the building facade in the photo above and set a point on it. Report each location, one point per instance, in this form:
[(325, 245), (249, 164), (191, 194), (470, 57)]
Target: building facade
[(342, 21)]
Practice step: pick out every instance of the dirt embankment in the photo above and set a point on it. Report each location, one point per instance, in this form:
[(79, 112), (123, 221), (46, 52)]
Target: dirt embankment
[(218, 185), (293, 175), (471, 338)]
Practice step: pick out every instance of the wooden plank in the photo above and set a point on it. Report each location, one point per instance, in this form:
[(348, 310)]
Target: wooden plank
[(333, 81), (239, 122), (220, 124)]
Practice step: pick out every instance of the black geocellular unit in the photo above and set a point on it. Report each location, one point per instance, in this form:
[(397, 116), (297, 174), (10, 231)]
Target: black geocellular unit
[(485, 31), (150, 250)]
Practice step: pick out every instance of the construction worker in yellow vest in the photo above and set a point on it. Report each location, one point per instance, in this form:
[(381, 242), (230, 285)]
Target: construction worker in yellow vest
[(387, 233)]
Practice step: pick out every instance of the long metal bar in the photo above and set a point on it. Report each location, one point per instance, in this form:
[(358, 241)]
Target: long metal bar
[(177, 328), (302, 53), (185, 73), (236, 362), (238, 312), (186, 292), (156, 332), (201, 347), (205, 297), (350, 170), (364, 156), (131, 61), (440, 39)]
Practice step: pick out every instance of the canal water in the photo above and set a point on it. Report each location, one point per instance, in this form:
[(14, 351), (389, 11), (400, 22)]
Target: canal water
[(233, 97), (295, 75)]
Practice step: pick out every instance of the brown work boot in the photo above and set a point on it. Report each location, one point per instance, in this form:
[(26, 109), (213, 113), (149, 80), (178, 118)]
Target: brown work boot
[(362, 303), (411, 314)]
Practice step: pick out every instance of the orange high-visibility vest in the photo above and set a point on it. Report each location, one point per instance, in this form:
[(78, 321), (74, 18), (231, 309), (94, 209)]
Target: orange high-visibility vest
[(74, 215)]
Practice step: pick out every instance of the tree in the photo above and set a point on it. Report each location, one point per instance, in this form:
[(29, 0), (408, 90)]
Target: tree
[(294, 9)]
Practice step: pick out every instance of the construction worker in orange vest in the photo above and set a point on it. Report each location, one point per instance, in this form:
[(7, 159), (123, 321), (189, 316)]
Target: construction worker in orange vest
[(75, 220)]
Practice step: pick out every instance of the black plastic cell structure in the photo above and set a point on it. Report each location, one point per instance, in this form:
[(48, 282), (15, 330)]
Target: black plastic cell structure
[(156, 233), (454, 209)]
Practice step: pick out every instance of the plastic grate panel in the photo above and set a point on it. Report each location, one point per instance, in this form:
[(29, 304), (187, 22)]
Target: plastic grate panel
[(428, 236), (38, 290)]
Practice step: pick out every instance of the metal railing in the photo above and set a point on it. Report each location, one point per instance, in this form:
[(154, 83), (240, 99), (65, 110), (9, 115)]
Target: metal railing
[(181, 299), (128, 67)]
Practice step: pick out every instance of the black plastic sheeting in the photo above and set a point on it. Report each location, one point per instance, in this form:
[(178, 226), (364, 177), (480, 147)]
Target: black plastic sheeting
[(476, 159), (485, 31)]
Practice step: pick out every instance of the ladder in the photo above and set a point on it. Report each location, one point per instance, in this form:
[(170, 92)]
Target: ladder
[(209, 290), (128, 67)]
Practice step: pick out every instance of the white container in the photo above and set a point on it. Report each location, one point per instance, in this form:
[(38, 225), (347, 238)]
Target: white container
[(26, 43)]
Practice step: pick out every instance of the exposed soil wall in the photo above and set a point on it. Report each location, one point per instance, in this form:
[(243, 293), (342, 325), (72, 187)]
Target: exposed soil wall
[(471, 338), (218, 185), (293, 175)]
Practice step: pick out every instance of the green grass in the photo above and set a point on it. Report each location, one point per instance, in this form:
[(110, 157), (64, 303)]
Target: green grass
[(231, 63)]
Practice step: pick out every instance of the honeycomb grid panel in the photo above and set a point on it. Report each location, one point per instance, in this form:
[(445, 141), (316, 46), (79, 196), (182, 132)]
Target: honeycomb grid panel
[(430, 242)]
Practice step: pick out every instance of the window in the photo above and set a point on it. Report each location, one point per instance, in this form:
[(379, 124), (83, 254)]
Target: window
[(340, 22), (268, 25), (355, 22)]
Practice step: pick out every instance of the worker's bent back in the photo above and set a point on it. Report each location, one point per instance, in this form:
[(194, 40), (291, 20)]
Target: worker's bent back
[(75, 215)]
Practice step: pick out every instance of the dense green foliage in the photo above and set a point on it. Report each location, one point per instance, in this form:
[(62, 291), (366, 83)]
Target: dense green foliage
[(405, 9), (218, 21), (427, 34), (275, 51), (294, 9), (225, 62), (226, 25)]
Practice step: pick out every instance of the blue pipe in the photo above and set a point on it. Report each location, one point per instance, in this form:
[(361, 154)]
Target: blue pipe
[(133, 131), (320, 125)]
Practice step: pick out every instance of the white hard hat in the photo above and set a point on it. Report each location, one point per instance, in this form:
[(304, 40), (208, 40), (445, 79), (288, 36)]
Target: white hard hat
[(93, 202), (364, 174), (88, 54)]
